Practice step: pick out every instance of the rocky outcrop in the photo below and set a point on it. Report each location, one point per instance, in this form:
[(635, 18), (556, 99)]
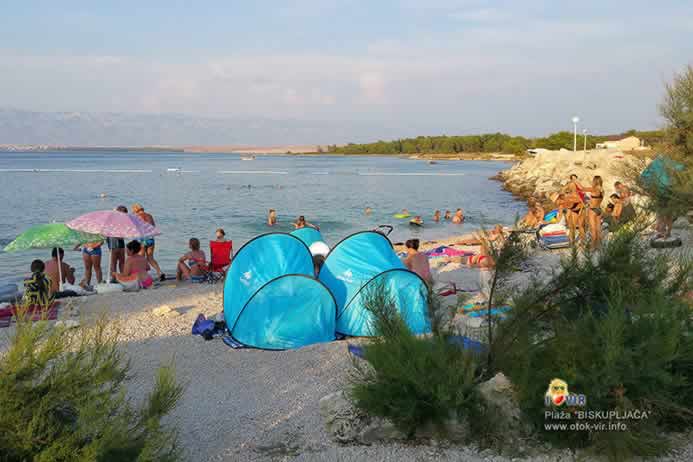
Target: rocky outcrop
[(545, 173)]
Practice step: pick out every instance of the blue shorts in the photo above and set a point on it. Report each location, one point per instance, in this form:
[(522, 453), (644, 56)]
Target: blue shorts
[(149, 242), (95, 252)]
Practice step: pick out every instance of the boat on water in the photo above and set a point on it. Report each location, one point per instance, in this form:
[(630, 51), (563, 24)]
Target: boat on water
[(248, 157), (432, 162), (173, 169)]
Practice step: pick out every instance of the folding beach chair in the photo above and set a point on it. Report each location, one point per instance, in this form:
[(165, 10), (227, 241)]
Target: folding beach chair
[(219, 260)]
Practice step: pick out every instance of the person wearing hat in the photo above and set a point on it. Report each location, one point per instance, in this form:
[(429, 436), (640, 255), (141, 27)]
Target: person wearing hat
[(148, 242)]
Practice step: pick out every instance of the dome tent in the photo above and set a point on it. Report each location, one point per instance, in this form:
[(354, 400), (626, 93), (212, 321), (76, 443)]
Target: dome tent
[(308, 235), (363, 260), (271, 299)]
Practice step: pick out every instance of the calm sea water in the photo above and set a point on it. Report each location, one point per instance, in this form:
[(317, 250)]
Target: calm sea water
[(221, 190)]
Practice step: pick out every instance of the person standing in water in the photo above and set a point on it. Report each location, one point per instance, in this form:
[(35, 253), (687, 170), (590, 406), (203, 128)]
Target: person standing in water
[(436, 216), (271, 217), (148, 243)]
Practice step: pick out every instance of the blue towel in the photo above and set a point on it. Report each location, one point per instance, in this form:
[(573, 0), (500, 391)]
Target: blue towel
[(494, 312)]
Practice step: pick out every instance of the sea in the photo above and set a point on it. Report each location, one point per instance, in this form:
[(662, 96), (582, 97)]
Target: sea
[(191, 195)]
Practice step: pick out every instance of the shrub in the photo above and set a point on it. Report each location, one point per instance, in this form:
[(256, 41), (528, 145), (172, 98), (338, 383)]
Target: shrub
[(614, 325), (62, 398), (413, 381)]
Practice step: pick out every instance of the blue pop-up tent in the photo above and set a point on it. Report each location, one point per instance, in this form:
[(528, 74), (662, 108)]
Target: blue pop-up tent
[(361, 262), (308, 235), (271, 299)]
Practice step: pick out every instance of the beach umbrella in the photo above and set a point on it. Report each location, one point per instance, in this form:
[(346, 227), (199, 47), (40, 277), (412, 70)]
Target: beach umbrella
[(111, 223), (48, 236)]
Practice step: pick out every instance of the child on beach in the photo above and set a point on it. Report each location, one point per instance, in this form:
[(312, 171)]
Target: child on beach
[(51, 270), (37, 288), (148, 244), (220, 235)]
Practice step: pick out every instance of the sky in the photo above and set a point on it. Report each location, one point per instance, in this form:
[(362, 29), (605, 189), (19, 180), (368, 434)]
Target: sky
[(411, 66)]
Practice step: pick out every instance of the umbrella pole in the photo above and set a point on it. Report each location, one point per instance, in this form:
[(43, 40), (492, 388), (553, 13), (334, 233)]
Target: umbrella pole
[(60, 273)]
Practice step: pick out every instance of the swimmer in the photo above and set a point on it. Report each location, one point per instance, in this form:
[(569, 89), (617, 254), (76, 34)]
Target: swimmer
[(436, 216), (417, 220), (368, 211), (447, 215), (302, 223), (404, 212), (103, 195), (459, 217), (271, 217)]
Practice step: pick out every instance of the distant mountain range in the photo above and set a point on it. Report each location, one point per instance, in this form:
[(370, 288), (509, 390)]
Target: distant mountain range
[(23, 127)]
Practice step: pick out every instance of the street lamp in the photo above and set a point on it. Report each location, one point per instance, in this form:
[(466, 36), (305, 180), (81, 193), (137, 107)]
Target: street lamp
[(584, 134), (576, 119)]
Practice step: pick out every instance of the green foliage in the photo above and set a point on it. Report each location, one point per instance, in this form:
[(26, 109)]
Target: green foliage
[(615, 327), (486, 143), (62, 398), (677, 110), (413, 381)]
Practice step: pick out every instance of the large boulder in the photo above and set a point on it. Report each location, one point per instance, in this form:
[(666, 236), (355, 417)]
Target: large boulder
[(499, 397)]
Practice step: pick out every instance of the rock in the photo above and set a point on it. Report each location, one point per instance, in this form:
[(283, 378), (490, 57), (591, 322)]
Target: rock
[(162, 310), (342, 420), (379, 430), (500, 401), (67, 324)]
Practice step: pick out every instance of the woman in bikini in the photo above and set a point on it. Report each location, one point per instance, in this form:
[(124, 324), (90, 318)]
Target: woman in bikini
[(494, 238), (191, 264), (135, 274), (573, 207), (271, 217), (594, 213), (91, 256)]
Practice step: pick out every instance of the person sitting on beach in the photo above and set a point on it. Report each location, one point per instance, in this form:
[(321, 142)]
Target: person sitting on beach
[(459, 217), (318, 261), (271, 217), (220, 235), (191, 264), (447, 216), (91, 256), (37, 288), (117, 247), (534, 216), (135, 274), (623, 192), (436, 216), (66, 271), (417, 262)]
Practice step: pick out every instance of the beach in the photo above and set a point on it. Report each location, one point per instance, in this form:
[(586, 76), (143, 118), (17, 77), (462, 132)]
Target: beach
[(257, 405)]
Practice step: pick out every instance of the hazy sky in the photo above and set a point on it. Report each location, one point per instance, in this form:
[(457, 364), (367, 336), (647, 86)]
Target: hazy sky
[(415, 66)]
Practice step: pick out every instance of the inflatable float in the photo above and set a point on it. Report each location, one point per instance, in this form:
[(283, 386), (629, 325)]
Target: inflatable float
[(401, 215), (416, 223)]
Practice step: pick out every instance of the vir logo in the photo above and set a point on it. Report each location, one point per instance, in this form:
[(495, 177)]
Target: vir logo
[(557, 395)]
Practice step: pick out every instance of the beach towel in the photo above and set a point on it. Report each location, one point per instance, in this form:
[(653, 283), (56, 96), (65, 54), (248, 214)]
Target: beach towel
[(33, 313), (445, 251), (477, 310)]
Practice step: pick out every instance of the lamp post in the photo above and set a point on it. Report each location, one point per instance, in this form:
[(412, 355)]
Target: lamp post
[(584, 134), (576, 119)]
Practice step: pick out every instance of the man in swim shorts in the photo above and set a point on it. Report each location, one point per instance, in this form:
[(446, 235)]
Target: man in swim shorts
[(148, 243)]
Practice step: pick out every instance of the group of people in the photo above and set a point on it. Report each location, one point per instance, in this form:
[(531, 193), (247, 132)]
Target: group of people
[(580, 207), (298, 224)]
